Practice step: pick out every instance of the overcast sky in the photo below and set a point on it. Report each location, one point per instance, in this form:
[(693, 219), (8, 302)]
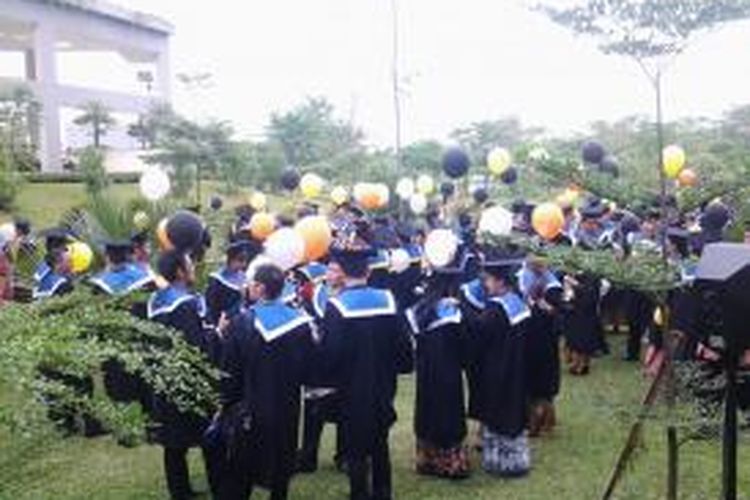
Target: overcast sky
[(462, 61)]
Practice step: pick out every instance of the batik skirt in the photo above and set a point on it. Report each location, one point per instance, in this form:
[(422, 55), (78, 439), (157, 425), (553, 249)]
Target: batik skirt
[(450, 463), (504, 455)]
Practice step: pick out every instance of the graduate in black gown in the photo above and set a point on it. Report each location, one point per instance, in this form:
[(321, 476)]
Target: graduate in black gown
[(268, 355), (498, 352), (321, 400), (225, 293), (176, 431), (440, 331), (542, 292), (365, 346)]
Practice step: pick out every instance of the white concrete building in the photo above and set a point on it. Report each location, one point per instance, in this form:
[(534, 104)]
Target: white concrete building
[(45, 31)]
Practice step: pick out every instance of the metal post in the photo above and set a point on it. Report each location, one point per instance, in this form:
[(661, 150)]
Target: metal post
[(729, 438)]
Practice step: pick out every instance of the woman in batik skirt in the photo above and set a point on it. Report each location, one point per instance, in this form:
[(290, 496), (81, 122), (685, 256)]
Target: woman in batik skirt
[(440, 418)]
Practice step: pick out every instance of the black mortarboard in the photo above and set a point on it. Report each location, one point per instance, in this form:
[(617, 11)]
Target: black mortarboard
[(244, 248), (139, 237), (23, 226), (503, 262), (56, 237)]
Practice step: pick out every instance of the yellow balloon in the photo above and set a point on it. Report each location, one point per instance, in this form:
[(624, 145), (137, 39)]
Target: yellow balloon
[(339, 195), (498, 160), (258, 201), (425, 185), (311, 185), (674, 159), (81, 257)]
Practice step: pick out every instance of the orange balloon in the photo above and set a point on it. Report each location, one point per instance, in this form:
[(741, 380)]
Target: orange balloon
[(316, 232), (262, 225), (162, 237), (687, 178), (548, 220), (370, 198)]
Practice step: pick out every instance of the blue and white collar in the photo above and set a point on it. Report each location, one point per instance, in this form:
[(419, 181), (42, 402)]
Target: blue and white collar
[(474, 294), (364, 302), (275, 319), (167, 300), (515, 309), (123, 279), (234, 280), (447, 312), (49, 285), (527, 278)]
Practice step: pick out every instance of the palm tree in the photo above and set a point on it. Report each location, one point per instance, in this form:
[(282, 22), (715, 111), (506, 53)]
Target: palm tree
[(96, 116)]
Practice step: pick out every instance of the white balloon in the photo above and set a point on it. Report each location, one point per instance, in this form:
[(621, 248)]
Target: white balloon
[(405, 188), (418, 203), (154, 184), (285, 248), (496, 221), (384, 194), (425, 184), (400, 260), (440, 247)]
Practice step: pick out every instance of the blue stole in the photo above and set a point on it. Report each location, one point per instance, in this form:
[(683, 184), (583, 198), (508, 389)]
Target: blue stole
[(473, 292), (379, 261), (364, 302), (167, 300), (314, 271), (321, 295), (42, 269), (288, 293), (123, 279), (48, 285), (514, 307), (234, 280), (527, 278), (275, 319), (447, 312)]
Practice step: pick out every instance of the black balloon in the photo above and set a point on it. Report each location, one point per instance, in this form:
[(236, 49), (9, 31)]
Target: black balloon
[(610, 166), (290, 179), (593, 152), (456, 163), (715, 217), (481, 195), (447, 189), (186, 231), (510, 176), (216, 203)]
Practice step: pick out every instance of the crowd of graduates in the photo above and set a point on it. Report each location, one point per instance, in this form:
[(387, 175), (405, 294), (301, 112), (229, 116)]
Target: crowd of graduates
[(479, 323)]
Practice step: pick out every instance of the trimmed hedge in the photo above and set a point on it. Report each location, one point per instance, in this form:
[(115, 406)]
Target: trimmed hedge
[(77, 177)]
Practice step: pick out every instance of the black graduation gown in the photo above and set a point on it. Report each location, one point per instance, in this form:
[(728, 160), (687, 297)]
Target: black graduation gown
[(542, 339), (224, 294), (498, 352), (440, 417), (583, 329), (183, 311), (365, 346), (472, 306), (266, 359)]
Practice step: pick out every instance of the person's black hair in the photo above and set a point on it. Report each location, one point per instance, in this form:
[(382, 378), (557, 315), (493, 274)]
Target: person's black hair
[(52, 258), (119, 254), (170, 263), (272, 278), (23, 226), (439, 286), (354, 267)]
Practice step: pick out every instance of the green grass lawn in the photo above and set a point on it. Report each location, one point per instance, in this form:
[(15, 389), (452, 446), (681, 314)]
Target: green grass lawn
[(571, 464)]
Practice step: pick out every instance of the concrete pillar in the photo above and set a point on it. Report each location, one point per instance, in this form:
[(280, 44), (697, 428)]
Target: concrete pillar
[(45, 73)]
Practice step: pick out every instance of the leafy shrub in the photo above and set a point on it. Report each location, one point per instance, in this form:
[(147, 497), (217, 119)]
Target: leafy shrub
[(93, 171)]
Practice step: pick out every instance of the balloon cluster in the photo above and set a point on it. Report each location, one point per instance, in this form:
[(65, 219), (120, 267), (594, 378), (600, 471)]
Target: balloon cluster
[(594, 154)]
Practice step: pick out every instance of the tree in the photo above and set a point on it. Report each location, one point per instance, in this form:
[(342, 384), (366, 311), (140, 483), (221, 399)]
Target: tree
[(422, 156), (19, 123), (97, 117), (310, 133), (480, 137), (651, 32)]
